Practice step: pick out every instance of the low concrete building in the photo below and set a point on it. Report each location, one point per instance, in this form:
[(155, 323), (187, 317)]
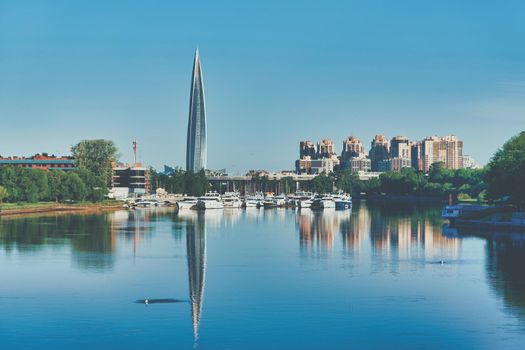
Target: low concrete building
[(134, 177), (41, 161)]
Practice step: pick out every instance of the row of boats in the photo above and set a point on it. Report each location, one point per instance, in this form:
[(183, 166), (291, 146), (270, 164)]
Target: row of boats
[(213, 200)]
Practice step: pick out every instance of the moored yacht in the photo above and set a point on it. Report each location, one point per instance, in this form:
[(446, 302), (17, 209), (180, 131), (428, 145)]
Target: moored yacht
[(187, 202), (269, 201), (253, 201), (143, 203), (280, 200), (326, 201), (231, 200), (211, 200), (302, 199), (342, 201)]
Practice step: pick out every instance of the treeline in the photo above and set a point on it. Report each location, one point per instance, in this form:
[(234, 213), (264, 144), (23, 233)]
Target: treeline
[(35, 185), (506, 173), (466, 183), (93, 159), (185, 182)]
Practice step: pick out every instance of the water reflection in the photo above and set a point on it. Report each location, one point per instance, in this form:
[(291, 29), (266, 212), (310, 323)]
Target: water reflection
[(385, 238), (505, 259), (196, 254), (92, 238), (317, 229), (398, 232), (505, 269)]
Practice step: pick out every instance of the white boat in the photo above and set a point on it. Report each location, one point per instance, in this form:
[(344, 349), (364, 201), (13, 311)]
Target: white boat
[(301, 199), (231, 200), (269, 201), (145, 204), (211, 200), (328, 201), (305, 203), (252, 202), (325, 201), (280, 200), (187, 203), (342, 201)]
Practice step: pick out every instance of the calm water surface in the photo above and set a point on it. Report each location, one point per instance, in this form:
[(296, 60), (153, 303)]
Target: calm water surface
[(370, 278)]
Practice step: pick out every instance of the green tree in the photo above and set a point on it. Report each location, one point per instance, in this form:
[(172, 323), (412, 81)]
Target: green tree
[(9, 180), (372, 186), (347, 181), (95, 186), (3, 194), (76, 189), (57, 186), (505, 175), (96, 156), (322, 183)]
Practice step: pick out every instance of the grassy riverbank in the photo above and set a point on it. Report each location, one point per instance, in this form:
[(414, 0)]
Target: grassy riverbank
[(8, 209)]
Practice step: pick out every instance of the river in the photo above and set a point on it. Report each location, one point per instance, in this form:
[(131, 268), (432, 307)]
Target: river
[(374, 277)]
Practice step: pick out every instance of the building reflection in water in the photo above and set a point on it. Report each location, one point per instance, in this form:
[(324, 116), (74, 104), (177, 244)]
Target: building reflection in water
[(196, 254), (354, 229), (317, 229), (400, 233)]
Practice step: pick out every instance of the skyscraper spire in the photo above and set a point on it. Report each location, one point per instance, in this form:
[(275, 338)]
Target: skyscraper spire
[(196, 148)]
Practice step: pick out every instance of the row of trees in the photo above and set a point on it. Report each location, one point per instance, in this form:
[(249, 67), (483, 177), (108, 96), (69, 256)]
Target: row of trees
[(90, 181), (439, 182), (34, 185), (193, 184), (408, 181)]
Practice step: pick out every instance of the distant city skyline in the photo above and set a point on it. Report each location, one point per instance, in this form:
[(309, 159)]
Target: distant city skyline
[(318, 71)]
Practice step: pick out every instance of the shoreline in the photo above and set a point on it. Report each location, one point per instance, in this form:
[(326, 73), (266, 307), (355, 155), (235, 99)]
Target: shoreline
[(59, 208), (403, 199)]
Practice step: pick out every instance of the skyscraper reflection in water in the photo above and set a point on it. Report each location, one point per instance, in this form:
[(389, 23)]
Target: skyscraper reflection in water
[(403, 233), (196, 254)]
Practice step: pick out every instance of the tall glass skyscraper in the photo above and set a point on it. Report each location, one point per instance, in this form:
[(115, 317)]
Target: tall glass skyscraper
[(196, 149)]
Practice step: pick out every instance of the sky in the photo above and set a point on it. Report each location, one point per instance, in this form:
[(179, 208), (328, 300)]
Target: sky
[(275, 73)]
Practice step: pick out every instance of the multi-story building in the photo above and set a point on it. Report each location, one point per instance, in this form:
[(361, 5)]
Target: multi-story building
[(307, 165), (433, 150), (196, 143), (352, 147), (134, 177), (41, 161), (469, 163), (314, 160), (415, 153), (447, 150), (394, 164), (325, 149), (454, 152), (400, 147), (307, 149), (359, 164), (379, 151)]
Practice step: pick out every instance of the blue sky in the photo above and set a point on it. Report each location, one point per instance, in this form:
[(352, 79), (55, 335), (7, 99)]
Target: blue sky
[(275, 72)]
